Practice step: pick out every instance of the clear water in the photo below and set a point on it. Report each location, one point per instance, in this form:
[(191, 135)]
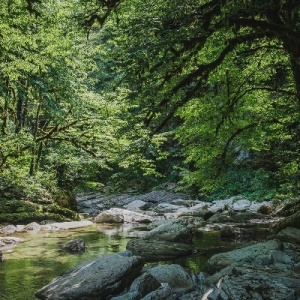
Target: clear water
[(36, 261)]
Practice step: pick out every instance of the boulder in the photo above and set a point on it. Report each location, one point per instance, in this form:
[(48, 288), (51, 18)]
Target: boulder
[(174, 275), (223, 217), (241, 205), (263, 253), (158, 250), (100, 278), (168, 208), (122, 215), (9, 229), (251, 283), (220, 205), (290, 221), (136, 205), (32, 227), (263, 207), (7, 243), (230, 231), (66, 225), (288, 235), (141, 286), (75, 246), (171, 231), (162, 293), (109, 217)]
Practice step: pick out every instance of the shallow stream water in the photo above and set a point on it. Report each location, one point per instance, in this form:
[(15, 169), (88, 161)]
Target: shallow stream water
[(36, 261)]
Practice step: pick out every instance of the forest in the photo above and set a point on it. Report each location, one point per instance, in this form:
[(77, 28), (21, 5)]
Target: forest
[(116, 94)]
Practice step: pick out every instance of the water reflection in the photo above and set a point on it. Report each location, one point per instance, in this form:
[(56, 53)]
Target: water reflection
[(39, 259)]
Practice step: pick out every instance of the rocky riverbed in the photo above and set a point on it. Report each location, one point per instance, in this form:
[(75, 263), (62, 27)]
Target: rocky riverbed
[(166, 223)]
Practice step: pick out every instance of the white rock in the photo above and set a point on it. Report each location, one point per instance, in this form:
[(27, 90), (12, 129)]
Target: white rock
[(241, 205), (128, 216)]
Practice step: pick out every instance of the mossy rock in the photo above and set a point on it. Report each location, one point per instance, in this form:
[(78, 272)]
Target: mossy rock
[(23, 212), (67, 200)]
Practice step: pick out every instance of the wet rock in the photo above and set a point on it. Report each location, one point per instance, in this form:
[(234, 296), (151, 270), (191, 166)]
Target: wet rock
[(224, 217), (99, 278), (75, 246), (158, 250), (253, 253), (119, 214), (230, 231), (66, 225), (251, 283), (289, 235), (171, 231), (141, 286), (162, 293), (174, 275), (136, 205)]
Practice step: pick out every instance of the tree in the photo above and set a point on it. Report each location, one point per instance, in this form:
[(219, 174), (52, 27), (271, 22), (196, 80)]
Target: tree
[(228, 70)]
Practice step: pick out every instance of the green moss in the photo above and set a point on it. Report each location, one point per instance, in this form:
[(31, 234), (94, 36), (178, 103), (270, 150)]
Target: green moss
[(24, 212)]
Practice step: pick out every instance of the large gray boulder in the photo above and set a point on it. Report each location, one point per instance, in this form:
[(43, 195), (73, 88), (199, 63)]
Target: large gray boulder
[(251, 283), (174, 275), (171, 231), (158, 250), (266, 253), (99, 278), (265, 270)]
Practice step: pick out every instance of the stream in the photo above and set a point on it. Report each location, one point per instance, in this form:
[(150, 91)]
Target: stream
[(36, 261)]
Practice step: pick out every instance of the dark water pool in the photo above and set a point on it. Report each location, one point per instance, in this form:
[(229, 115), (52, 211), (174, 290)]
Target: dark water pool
[(36, 261)]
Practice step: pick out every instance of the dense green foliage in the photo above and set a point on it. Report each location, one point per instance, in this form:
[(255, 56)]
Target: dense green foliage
[(205, 92), (224, 77)]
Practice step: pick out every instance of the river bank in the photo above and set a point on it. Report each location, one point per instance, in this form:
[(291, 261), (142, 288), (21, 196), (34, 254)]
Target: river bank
[(165, 227)]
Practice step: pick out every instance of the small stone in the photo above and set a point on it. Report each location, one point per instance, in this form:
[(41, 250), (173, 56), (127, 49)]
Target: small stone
[(75, 246)]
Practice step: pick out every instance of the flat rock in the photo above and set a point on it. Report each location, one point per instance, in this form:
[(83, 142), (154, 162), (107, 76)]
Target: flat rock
[(158, 250), (7, 243), (66, 225)]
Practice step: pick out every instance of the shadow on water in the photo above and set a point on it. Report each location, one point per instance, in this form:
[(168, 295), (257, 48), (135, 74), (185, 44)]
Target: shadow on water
[(39, 259)]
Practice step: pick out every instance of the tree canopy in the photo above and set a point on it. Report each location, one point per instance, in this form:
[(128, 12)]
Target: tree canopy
[(204, 91)]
